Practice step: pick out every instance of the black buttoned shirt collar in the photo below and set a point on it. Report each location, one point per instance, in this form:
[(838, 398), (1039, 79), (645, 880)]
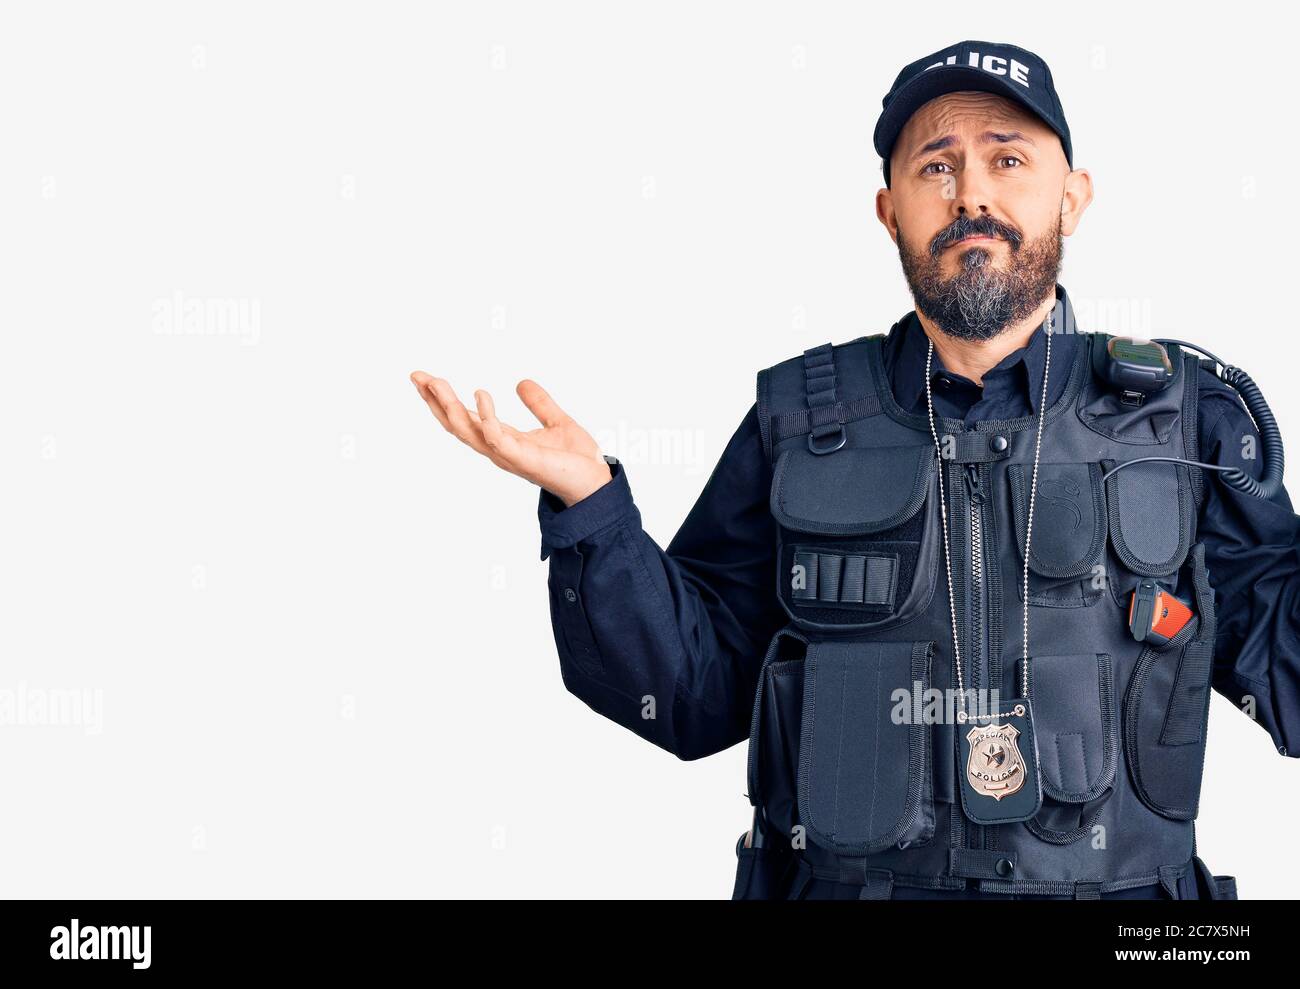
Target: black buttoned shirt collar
[(1010, 388)]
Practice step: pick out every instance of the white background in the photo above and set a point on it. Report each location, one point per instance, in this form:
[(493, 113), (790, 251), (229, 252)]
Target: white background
[(317, 624)]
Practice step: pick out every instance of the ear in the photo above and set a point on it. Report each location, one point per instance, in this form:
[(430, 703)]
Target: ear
[(1075, 199), (885, 212)]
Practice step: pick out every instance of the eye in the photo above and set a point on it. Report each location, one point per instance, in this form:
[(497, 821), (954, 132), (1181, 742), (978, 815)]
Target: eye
[(1011, 158), (942, 164)]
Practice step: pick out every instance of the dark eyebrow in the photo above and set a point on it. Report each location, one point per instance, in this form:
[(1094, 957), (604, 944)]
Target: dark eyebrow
[(1011, 135), (998, 136)]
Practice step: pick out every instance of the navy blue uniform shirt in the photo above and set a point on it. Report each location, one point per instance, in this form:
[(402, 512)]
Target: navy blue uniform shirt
[(669, 642)]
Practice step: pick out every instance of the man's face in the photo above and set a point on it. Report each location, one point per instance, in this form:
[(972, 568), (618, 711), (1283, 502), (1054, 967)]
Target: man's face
[(976, 204)]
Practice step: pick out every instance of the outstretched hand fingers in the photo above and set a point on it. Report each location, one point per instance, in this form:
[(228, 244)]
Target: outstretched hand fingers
[(458, 422), (424, 385), (540, 403), (500, 439), (467, 424)]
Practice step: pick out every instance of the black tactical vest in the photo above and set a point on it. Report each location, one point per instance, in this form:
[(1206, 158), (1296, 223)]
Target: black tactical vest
[(846, 788)]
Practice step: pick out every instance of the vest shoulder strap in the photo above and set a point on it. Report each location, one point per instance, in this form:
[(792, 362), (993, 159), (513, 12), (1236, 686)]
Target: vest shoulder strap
[(1192, 431), (816, 394)]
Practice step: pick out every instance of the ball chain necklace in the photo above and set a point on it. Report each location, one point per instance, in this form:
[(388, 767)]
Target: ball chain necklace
[(997, 766)]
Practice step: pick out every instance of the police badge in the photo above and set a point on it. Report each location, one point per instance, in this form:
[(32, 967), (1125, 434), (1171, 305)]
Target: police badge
[(997, 766)]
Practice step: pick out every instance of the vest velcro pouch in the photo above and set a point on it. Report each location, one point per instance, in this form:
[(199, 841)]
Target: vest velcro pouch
[(1152, 517), (1067, 554), (865, 764), (859, 541), (774, 731), (1078, 742), (1166, 707)]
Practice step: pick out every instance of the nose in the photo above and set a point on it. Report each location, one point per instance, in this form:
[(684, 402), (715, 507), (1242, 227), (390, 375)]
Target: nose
[(970, 194)]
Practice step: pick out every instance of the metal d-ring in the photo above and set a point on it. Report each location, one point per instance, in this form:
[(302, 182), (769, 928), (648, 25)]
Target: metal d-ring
[(812, 442)]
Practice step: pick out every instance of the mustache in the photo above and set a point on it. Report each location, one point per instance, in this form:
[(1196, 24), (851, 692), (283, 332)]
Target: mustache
[(965, 226)]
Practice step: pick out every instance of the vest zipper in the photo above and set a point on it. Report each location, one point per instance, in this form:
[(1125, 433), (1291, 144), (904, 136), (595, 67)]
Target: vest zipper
[(975, 611), (975, 488)]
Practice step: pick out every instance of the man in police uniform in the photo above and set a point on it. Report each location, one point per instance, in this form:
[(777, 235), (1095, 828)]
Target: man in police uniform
[(984, 667)]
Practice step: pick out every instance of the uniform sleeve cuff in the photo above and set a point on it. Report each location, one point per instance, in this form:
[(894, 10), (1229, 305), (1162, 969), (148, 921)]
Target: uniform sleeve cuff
[(564, 526)]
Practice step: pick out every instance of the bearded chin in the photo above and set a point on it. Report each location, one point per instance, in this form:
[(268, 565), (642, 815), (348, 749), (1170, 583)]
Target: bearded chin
[(982, 300)]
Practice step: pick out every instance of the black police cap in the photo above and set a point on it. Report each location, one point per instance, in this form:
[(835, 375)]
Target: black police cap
[(987, 66)]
